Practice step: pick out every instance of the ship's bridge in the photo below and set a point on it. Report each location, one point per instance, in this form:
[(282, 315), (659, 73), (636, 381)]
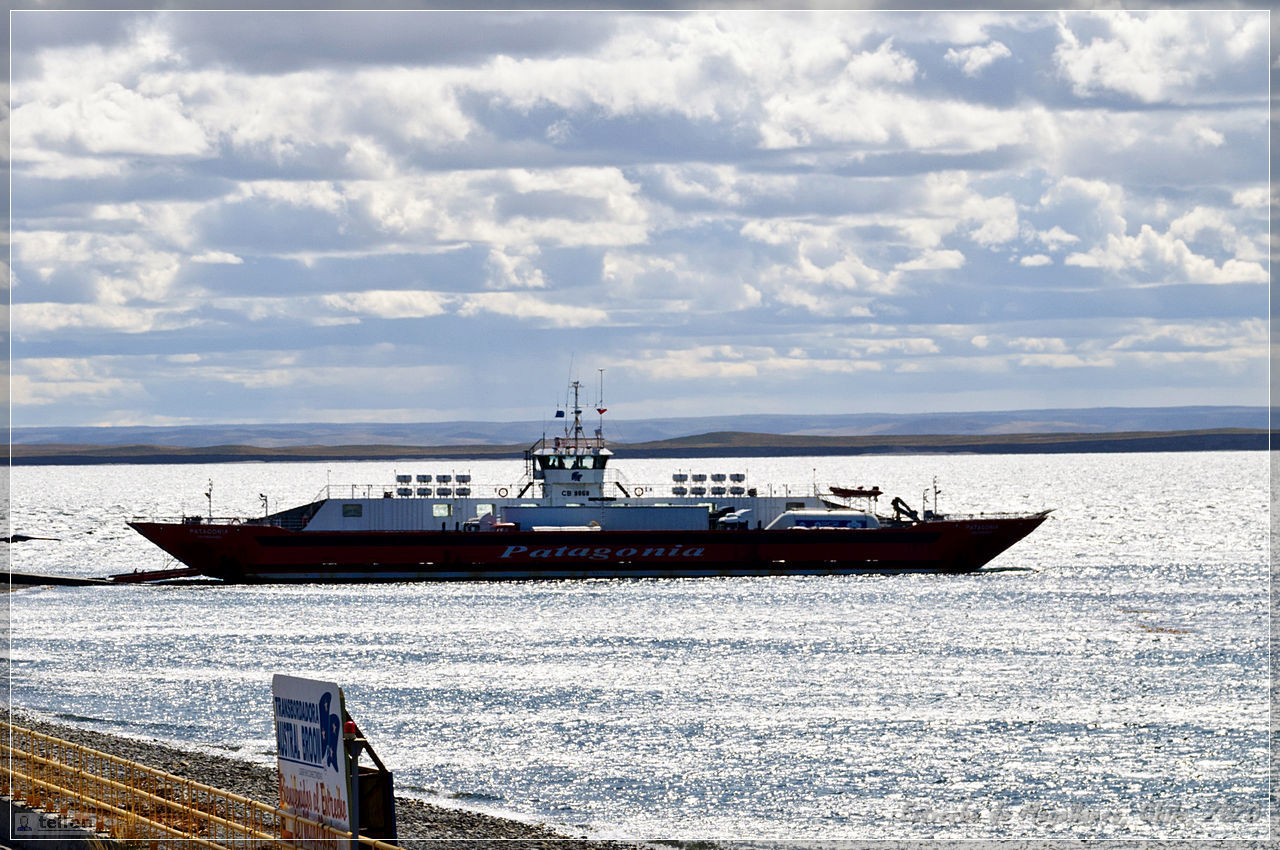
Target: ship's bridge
[(571, 471)]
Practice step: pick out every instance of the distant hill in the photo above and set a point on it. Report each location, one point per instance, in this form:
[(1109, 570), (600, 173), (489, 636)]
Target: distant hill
[(1098, 420), (715, 444)]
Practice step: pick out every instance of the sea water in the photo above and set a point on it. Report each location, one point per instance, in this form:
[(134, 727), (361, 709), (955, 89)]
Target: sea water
[(1108, 680)]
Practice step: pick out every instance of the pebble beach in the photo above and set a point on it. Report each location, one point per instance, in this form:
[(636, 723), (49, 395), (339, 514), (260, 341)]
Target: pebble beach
[(421, 825)]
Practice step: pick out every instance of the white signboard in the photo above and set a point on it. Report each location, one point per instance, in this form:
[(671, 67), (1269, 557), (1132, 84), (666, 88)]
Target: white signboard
[(311, 761)]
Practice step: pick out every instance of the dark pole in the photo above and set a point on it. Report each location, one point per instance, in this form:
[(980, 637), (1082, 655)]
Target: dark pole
[(352, 747)]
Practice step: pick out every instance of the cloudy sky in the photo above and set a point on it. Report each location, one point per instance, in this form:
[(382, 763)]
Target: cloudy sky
[(289, 217)]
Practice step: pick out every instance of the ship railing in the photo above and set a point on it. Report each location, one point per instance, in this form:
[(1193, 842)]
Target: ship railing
[(191, 519), (107, 799), (569, 443), (197, 519), (613, 477), (392, 490), (664, 489)]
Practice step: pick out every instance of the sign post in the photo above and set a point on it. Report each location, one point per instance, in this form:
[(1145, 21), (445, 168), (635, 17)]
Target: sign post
[(311, 758), (351, 751)]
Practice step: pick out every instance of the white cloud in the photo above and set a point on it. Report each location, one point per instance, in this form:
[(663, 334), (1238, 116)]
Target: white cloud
[(56, 165), (1052, 345), (46, 248), (1160, 256), (1220, 364), (1156, 56), (1199, 220), (284, 117), (61, 369), (823, 256), (720, 68), (673, 284), (391, 378), (569, 206), (390, 303), (997, 217), (721, 185), (325, 195), (656, 65), (112, 120), (118, 269), (925, 229), (518, 305), (969, 365), (1094, 206), (732, 362), (1253, 198), (797, 296), (559, 132), (1065, 361), (217, 257), (1213, 335), (1208, 137), (151, 280), (972, 27), (705, 363), (973, 60), (369, 159), (1055, 237), (1099, 208), (67, 72), (932, 261), (824, 305), (992, 220), (625, 271), (36, 319), (900, 345), (853, 112), (860, 104), (1036, 260), (515, 271), (27, 391)]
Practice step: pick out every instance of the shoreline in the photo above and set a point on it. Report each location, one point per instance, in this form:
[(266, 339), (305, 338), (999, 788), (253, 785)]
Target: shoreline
[(719, 444), (421, 825)]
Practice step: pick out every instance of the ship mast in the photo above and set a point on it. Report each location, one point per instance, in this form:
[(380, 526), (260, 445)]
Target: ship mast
[(600, 409), (574, 436)]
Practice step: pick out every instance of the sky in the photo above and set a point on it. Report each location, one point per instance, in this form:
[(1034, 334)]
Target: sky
[(250, 217)]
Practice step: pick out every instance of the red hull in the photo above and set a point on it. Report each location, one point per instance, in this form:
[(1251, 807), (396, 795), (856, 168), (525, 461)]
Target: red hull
[(263, 553)]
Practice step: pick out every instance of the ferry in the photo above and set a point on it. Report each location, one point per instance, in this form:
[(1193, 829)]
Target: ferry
[(571, 516)]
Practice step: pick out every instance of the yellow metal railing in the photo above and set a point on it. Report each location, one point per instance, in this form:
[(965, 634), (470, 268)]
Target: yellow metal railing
[(132, 802)]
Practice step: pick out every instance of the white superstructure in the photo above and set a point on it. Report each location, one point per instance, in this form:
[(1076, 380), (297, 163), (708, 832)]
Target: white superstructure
[(568, 483)]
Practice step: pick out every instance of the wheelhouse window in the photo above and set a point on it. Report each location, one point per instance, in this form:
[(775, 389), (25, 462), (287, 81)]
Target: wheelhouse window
[(570, 461)]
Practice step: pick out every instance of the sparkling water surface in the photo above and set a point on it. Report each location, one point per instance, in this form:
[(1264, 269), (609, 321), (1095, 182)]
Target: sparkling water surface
[(1108, 680)]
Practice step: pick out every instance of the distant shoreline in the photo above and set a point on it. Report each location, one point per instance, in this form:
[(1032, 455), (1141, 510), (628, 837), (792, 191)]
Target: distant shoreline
[(719, 444)]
